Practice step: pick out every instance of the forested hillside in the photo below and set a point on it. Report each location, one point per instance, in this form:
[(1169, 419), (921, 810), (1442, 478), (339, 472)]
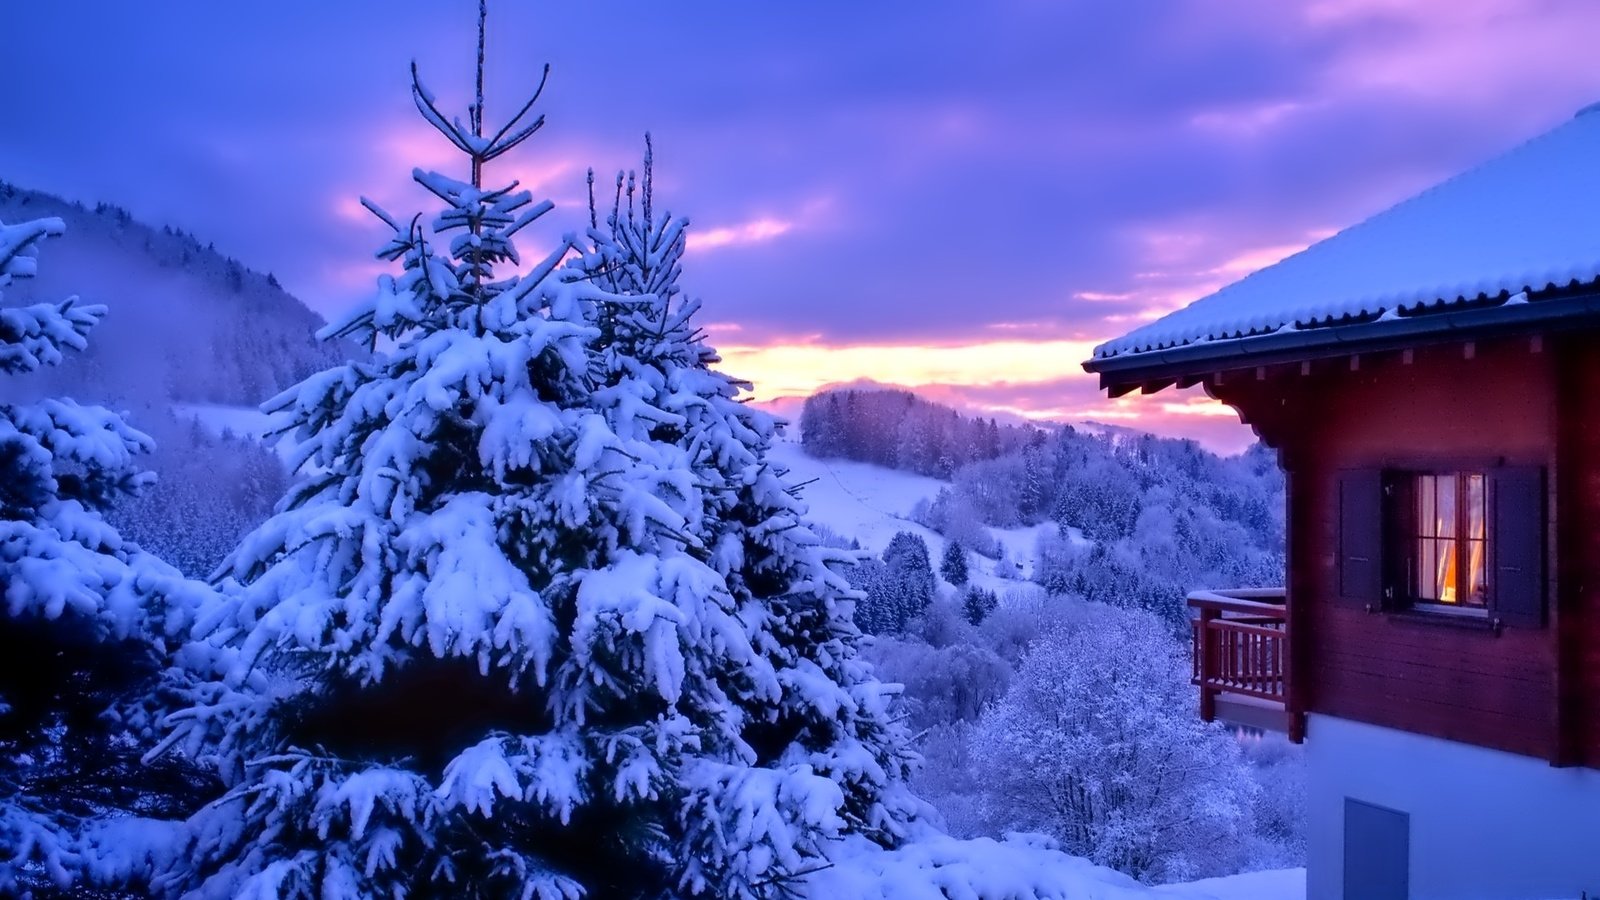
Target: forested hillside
[(184, 322), (900, 430), (1161, 516)]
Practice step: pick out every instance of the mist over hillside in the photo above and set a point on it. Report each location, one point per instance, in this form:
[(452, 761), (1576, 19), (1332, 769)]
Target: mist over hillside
[(185, 322), (185, 325)]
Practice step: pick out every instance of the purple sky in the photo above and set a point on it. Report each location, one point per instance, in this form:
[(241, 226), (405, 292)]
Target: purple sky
[(959, 196)]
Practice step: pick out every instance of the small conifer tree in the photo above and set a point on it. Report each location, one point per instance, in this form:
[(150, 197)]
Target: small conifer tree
[(954, 564), (978, 604)]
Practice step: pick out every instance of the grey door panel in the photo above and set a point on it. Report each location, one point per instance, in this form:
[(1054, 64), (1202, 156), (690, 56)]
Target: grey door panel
[(1377, 852)]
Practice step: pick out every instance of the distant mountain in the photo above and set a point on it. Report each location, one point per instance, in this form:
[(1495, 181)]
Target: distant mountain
[(185, 323)]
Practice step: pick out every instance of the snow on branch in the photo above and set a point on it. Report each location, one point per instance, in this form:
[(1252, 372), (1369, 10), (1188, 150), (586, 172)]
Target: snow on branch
[(35, 336), (17, 246)]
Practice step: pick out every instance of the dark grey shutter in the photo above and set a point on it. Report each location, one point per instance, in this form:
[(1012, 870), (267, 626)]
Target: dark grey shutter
[(1516, 545), (1361, 537)]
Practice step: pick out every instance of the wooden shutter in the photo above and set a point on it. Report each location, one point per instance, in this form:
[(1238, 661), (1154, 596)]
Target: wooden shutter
[(1361, 537), (1516, 546)]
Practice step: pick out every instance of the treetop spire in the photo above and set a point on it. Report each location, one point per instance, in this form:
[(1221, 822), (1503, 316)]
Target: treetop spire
[(469, 138)]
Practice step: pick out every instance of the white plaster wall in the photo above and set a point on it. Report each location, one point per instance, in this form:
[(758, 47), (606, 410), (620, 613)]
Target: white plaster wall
[(1484, 824)]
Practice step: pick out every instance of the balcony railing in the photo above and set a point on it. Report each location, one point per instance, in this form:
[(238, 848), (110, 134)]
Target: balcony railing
[(1241, 659)]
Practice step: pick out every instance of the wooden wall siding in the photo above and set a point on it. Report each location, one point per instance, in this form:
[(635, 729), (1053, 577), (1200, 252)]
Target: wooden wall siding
[(1578, 549), (1459, 683)]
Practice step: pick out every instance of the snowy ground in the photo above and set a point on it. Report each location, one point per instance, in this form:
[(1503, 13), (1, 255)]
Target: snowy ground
[(1274, 884), (1021, 867)]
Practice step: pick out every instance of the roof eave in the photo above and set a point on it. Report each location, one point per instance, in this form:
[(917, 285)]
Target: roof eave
[(1154, 369)]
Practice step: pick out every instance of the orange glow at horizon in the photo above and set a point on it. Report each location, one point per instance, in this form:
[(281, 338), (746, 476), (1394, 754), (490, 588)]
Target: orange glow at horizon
[(793, 369), (976, 376)]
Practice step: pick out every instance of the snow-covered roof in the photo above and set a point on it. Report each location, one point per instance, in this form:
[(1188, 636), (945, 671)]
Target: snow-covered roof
[(1524, 221)]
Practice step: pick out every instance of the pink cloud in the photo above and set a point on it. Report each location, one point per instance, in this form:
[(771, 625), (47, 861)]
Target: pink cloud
[(1465, 54), (1176, 264), (755, 231), (762, 228), (1248, 121)]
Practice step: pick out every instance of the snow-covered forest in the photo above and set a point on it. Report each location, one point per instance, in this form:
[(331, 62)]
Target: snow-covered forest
[(1061, 661), (516, 596), (1139, 521)]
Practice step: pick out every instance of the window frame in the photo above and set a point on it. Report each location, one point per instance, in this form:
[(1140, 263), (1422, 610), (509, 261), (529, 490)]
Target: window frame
[(1403, 536)]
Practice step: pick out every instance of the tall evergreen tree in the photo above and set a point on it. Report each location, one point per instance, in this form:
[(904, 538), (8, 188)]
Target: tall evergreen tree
[(86, 618), (539, 619), (657, 382), (908, 577)]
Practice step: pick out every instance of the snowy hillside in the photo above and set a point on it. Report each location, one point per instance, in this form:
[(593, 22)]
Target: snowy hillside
[(870, 504), (239, 421), (184, 322)]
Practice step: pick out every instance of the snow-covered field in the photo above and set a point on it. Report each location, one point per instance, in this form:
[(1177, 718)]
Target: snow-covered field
[(241, 421), (871, 503), (858, 500)]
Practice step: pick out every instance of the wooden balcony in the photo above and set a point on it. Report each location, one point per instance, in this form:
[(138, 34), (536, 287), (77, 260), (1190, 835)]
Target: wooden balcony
[(1241, 659)]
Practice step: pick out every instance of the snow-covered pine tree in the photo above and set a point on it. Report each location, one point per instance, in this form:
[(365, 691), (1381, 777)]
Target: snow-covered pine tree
[(820, 425), (876, 611), (769, 571), (978, 603), (539, 619), (909, 572), (954, 564), (85, 617)]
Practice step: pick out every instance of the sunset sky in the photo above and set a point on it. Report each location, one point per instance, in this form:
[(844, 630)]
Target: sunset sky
[(958, 197)]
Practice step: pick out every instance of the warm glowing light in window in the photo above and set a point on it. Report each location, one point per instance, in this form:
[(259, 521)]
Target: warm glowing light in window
[(1450, 562)]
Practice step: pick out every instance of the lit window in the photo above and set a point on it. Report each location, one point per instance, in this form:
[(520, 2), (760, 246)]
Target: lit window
[(1448, 555)]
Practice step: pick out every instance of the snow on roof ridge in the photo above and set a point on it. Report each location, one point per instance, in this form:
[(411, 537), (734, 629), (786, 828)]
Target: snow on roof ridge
[(1369, 285)]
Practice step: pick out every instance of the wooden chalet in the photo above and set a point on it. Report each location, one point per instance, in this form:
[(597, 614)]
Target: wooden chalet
[(1430, 379)]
